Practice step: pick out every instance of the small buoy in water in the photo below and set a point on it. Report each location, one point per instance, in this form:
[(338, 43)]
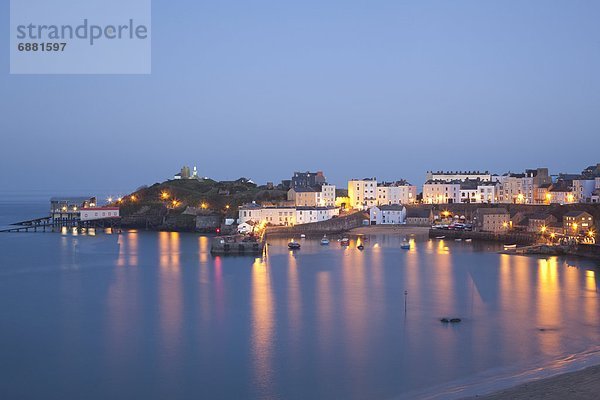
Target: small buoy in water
[(455, 320), (444, 320)]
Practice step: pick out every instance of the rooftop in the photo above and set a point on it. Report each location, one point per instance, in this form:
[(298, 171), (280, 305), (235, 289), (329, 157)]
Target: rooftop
[(392, 207)]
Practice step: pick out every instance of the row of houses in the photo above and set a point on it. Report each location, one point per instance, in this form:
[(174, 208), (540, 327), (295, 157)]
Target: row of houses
[(366, 193), (534, 186), (285, 215), (499, 220)]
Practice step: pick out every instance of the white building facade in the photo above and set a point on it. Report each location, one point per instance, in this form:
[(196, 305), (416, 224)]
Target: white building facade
[(327, 196), (285, 216), (441, 192), (394, 214), (95, 213), (305, 215), (394, 193), (362, 193), (583, 189), (516, 188)]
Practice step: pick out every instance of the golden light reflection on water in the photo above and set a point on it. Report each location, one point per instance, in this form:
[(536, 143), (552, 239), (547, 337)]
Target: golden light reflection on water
[(325, 311), (591, 298), (168, 247), (128, 249), (549, 304), (444, 283), (170, 299), (203, 249), (294, 301), (355, 312), (262, 327)]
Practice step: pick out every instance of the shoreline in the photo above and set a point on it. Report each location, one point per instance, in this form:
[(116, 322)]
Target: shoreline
[(582, 384)]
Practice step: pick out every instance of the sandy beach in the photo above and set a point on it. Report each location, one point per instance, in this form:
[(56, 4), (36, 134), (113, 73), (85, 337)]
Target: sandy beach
[(578, 385)]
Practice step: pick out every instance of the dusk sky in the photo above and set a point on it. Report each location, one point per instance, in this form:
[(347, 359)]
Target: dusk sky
[(354, 88)]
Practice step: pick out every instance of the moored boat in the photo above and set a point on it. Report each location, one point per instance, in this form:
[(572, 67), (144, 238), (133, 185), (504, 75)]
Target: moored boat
[(440, 237), (405, 245), (468, 240), (324, 241), (293, 245), (510, 246), (345, 242), (303, 236), (360, 247)]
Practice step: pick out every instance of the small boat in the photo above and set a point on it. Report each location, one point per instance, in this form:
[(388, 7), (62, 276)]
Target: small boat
[(293, 245), (360, 247), (324, 241), (345, 242), (302, 236), (446, 320), (458, 240), (405, 245), (468, 240), (510, 246), (440, 237)]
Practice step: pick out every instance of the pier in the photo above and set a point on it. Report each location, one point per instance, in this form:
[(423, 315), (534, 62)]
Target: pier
[(47, 224)]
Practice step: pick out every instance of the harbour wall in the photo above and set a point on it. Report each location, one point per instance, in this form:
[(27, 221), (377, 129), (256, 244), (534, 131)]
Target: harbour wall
[(522, 238), (334, 225)]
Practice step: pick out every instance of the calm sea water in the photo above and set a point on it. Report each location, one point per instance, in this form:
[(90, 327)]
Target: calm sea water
[(153, 315)]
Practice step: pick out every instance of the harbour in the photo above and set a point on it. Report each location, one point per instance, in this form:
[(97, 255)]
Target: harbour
[(285, 317)]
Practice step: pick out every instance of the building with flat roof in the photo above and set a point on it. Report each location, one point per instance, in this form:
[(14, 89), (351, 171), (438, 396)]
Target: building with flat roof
[(450, 176)]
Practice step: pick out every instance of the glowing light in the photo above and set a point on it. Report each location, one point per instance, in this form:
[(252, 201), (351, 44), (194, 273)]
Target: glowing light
[(175, 203), (204, 206), (543, 228), (165, 195), (505, 224), (110, 199), (553, 235), (575, 226), (133, 197), (120, 199), (227, 207)]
